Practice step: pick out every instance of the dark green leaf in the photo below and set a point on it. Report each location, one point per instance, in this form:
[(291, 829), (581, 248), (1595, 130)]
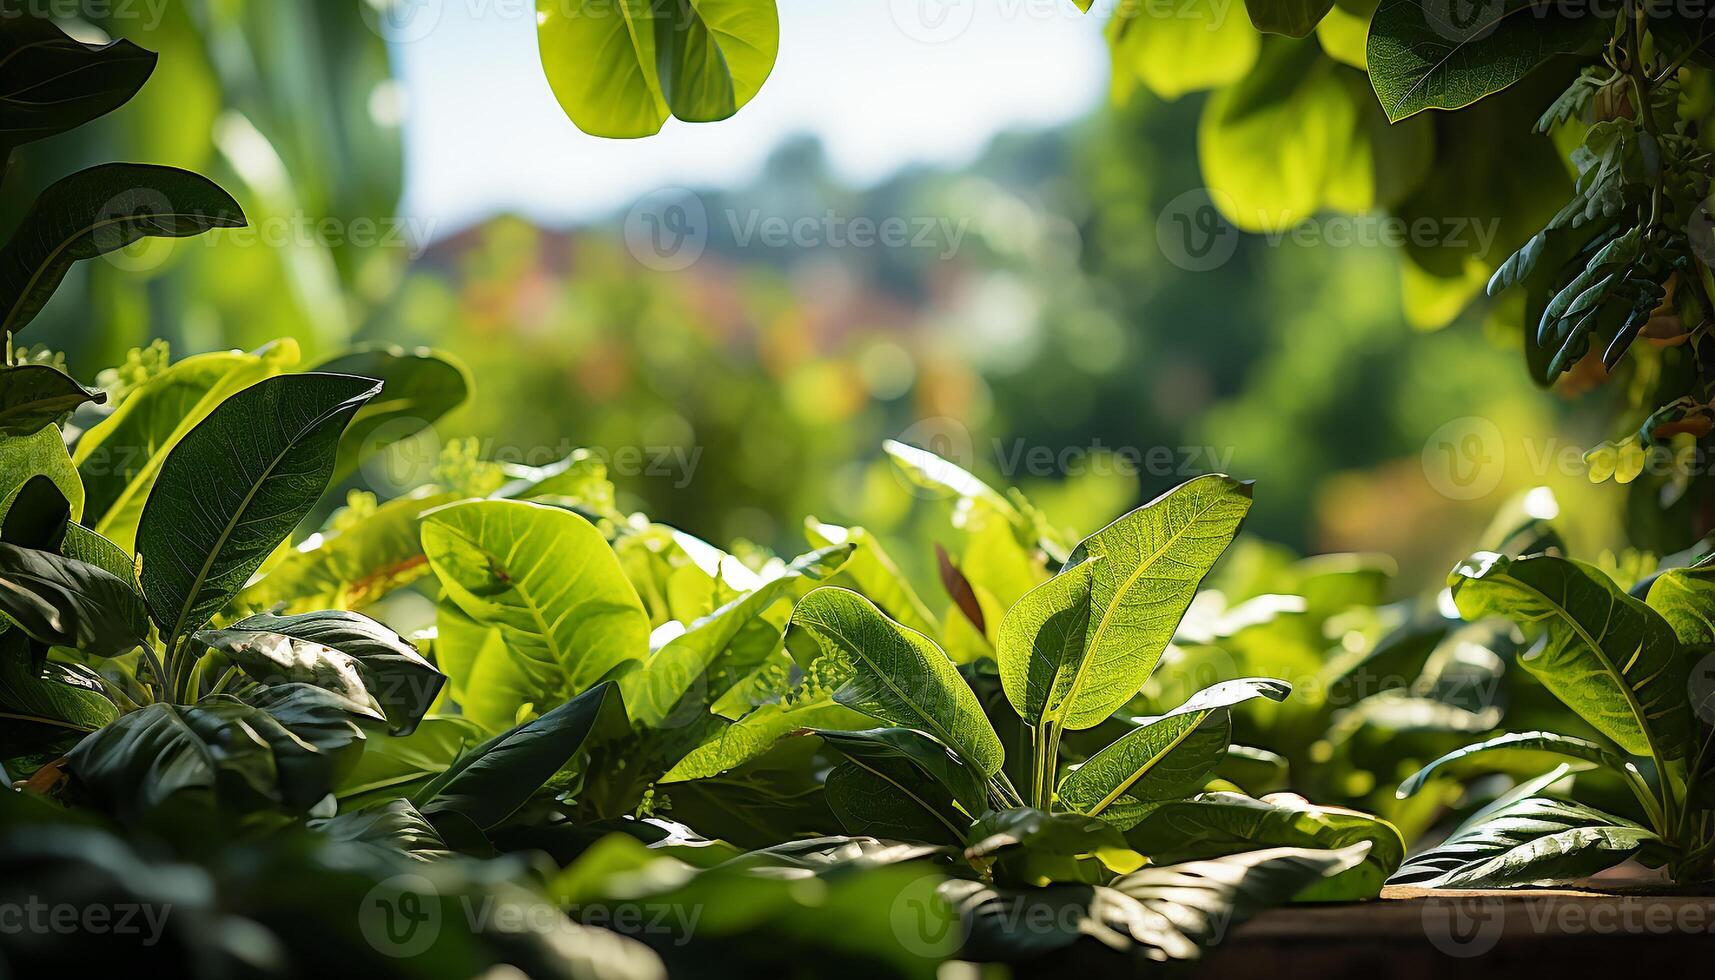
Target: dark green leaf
[(34, 395), (97, 211), (65, 602), (346, 653), (1447, 56), (418, 387), (1294, 18), (50, 83), (488, 784), (1533, 841), (1609, 657), (235, 487), (935, 760), (1562, 745), (889, 798), (38, 516), (1026, 846)]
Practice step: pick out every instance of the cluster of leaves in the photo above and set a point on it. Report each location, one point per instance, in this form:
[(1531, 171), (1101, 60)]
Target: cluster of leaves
[(1629, 663)]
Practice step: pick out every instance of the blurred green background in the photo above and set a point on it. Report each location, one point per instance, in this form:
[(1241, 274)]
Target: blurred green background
[(1042, 332)]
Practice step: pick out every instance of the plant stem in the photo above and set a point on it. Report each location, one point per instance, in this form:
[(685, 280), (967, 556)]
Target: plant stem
[(1047, 756), (162, 688)]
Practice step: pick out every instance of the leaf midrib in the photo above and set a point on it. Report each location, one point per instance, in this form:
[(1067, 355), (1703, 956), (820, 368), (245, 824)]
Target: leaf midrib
[(1144, 770)]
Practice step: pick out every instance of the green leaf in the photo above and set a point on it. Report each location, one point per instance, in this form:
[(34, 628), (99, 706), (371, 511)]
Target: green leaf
[(1424, 56), (676, 678), (933, 761), (1166, 757), (119, 458), (35, 395), (546, 582), (736, 743), (1533, 841), (897, 675), (65, 602), (1214, 824), (23, 458), (1562, 745), (354, 566), (391, 767), (345, 653), (1179, 49), (1150, 564), (235, 487), (1607, 656), (1032, 847), (40, 707), (620, 69), (285, 748), (1685, 597), (50, 83), (491, 782), (1294, 18), (419, 386), (1163, 913), (97, 211), (887, 797), (395, 825)]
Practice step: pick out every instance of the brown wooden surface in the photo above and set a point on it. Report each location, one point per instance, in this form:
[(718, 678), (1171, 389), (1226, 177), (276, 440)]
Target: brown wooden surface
[(1412, 933)]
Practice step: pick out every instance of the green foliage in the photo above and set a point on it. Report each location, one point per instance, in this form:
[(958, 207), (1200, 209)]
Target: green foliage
[(622, 69)]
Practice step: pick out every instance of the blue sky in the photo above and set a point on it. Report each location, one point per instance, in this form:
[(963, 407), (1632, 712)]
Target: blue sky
[(882, 82)]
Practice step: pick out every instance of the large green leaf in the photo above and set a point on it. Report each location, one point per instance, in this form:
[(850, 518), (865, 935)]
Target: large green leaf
[(750, 737), (1294, 18), (50, 83), (287, 747), (1447, 56), (65, 602), (887, 797), (1027, 846), (897, 675), (40, 707), (679, 672), (1214, 824), (489, 783), (1533, 841), (1166, 757), (1685, 597), (235, 487), (933, 761), (418, 387), (1179, 49), (97, 211), (1611, 658), (1161, 913), (1567, 746), (1143, 571), (119, 458), (619, 69), (353, 566), (546, 583), (34, 395), (346, 653), (38, 516), (391, 767)]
